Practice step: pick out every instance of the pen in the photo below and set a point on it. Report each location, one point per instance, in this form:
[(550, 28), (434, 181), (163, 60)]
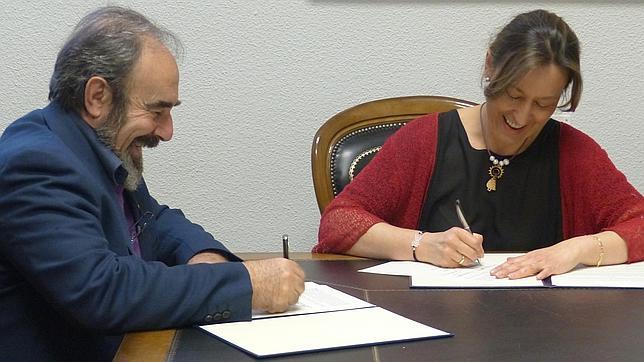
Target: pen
[(285, 246), (461, 217)]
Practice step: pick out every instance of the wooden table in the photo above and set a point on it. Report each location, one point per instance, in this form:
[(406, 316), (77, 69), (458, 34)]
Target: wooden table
[(526, 324)]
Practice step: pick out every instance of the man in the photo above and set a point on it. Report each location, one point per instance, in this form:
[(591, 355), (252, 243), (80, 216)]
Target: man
[(86, 254)]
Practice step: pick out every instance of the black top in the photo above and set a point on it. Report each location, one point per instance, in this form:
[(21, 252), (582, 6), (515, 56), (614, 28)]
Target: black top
[(523, 214)]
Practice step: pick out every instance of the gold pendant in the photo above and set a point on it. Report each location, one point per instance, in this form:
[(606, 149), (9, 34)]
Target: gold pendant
[(491, 184), (495, 171)]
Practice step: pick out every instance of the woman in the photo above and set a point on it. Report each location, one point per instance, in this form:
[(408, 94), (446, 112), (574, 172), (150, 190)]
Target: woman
[(525, 182)]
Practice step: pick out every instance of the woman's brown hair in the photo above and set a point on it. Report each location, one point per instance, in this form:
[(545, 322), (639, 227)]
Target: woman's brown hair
[(533, 39)]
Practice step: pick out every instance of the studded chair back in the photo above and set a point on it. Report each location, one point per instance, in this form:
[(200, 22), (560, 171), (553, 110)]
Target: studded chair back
[(346, 142)]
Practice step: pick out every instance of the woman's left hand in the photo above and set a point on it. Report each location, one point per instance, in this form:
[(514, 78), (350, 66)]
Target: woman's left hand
[(557, 259)]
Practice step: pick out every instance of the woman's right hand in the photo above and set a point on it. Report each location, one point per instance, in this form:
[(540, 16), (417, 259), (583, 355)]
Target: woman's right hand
[(445, 249), (452, 248)]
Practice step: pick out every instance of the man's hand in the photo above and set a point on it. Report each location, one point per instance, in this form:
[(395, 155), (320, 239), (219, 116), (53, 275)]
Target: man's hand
[(277, 283), (207, 257)]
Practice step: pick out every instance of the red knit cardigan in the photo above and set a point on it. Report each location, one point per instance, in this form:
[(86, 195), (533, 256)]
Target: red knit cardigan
[(595, 196)]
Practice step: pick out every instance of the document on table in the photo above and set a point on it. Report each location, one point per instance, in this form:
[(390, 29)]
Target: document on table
[(314, 325), (430, 276), (609, 276), (318, 298)]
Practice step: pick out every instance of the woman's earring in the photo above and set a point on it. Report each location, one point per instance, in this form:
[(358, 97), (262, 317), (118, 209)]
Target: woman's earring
[(486, 79)]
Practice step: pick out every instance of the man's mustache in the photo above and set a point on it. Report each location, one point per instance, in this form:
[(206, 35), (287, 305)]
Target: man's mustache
[(148, 141)]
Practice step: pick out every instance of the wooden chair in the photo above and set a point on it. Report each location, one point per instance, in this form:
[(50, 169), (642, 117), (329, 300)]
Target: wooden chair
[(346, 142)]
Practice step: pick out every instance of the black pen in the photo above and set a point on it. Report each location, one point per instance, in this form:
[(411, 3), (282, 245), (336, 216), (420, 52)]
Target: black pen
[(285, 246), (461, 217)]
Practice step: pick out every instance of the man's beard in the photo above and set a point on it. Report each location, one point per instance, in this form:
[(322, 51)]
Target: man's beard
[(107, 134)]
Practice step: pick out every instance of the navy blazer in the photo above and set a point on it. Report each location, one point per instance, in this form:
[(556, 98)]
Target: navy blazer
[(69, 284)]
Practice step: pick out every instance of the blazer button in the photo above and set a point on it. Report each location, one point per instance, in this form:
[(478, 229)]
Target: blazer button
[(208, 318), (217, 316), (226, 314)]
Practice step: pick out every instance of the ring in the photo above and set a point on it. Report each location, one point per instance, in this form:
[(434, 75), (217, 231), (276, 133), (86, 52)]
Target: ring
[(460, 262)]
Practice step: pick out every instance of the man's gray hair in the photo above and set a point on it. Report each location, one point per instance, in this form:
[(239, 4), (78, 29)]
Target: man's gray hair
[(105, 43)]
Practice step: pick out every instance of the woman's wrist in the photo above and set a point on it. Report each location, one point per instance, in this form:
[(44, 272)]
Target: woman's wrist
[(591, 250), (415, 243), (604, 248), (421, 239)]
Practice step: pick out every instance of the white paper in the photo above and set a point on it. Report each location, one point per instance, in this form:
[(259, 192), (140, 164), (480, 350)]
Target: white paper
[(311, 332), (425, 275), (403, 268), (610, 276), (318, 298)]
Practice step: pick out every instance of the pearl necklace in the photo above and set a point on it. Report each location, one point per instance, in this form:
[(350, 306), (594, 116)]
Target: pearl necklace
[(496, 169)]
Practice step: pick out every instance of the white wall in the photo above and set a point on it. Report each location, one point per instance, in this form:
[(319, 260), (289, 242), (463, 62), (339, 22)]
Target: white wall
[(260, 77)]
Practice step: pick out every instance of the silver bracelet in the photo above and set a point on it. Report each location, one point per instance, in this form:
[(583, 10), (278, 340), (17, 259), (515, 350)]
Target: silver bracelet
[(415, 243)]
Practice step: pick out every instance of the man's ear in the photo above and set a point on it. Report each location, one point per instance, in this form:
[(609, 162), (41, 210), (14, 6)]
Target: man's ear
[(98, 100)]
